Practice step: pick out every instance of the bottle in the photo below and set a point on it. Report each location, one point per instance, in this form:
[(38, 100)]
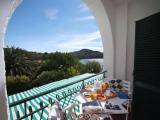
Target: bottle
[(97, 85)]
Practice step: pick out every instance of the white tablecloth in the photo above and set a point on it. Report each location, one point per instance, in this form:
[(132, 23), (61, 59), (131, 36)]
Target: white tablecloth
[(113, 101)]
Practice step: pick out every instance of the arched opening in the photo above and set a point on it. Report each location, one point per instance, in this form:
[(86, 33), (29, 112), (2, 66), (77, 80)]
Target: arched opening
[(103, 16), (46, 32), (108, 48)]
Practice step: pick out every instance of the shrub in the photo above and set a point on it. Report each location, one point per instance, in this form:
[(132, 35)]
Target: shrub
[(93, 67), (17, 83), (71, 71), (55, 61), (48, 76), (81, 68)]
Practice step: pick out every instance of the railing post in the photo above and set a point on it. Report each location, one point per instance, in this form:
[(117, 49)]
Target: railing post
[(64, 95), (41, 106), (69, 91), (25, 109), (57, 97), (18, 115), (104, 74), (50, 100), (65, 115), (79, 88), (74, 90), (78, 105), (30, 110), (83, 84)]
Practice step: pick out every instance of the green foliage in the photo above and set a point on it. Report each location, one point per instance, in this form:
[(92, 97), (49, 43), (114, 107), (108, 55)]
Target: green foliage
[(81, 68), (55, 61), (22, 62), (72, 71), (16, 63), (93, 67), (17, 83), (26, 69), (16, 79), (47, 77)]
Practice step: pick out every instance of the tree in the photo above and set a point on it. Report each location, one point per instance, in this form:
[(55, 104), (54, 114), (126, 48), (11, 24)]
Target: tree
[(17, 83), (56, 61), (93, 67), (48, 76), (72, 71), (15, 62)]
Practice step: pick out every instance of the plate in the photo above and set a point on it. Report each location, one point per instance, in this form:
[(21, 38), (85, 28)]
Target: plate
[(86, 94)]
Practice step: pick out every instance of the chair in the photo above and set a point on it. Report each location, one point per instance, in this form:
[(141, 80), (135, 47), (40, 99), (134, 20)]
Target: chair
[(70, 111), (123, 90), (55, 111), (121, 87)]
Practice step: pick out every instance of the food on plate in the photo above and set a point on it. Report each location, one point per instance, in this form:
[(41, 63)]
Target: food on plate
[(101, 97), (99, 91), (87, 94), (105, 86), (93, 96)]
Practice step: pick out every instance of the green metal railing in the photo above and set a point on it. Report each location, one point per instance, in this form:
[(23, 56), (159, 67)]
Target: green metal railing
[(42, 107)]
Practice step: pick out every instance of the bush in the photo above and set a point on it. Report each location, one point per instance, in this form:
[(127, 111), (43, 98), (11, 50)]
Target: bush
[(48, 76), (81, 68), (93, 67), (56, 61), (17, 83), (71, 71)]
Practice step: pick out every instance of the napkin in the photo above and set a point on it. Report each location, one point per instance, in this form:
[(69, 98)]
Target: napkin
[(91, 107)]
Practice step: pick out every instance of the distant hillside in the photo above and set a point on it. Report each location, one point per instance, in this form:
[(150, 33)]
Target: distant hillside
[(38, 57), (27, 54), (87, 54)]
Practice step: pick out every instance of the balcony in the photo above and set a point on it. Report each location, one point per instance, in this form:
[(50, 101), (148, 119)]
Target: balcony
[(116, 20), (33, 103)]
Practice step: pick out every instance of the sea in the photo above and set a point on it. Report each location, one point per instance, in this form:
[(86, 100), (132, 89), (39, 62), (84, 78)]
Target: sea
[(85, 61)]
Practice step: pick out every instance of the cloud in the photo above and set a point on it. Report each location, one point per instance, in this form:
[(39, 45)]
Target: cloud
[(80, 41), (86, 18), (83, 7), (51, 14), (64, 42)]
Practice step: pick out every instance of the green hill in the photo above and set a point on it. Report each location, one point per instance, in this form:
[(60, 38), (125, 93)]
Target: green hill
[(87, 54)]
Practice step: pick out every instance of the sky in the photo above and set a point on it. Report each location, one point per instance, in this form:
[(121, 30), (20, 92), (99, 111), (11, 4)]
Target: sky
[(53, 25)]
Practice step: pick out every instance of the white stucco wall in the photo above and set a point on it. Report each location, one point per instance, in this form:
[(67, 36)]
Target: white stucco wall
[(122, 15), (111, 16), (6, 9), (103, 22), (137, 10), (3, 102), (117, 11), (120, 40)]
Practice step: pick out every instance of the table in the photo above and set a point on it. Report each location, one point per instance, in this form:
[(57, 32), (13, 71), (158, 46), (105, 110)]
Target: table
[(114, 101)]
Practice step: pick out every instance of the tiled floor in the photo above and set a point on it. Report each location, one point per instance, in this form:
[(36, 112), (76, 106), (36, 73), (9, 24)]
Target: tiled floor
[(121, 117)]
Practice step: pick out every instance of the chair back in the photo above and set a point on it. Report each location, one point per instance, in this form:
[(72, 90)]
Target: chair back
[(70, 111), (118, 85), (126, 86), (115, 85), (55, 112)]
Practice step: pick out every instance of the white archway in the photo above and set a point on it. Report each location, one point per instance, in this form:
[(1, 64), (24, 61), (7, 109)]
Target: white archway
[(7, 8), (104, 24), (114, 18)]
